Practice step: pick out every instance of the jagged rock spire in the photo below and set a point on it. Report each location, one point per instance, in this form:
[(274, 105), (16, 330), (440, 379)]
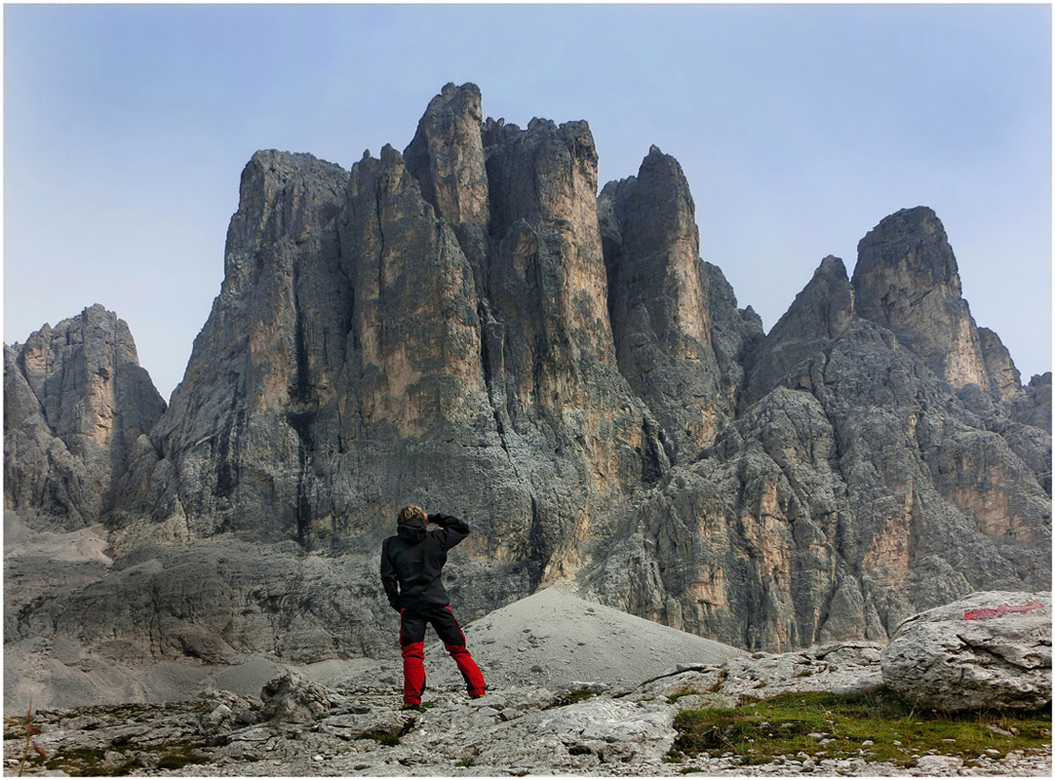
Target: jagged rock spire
[(658, 299), (819, 314), (447, 156), (907, 280)]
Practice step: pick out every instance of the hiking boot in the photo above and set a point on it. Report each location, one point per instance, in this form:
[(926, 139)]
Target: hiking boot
[(414, 707)]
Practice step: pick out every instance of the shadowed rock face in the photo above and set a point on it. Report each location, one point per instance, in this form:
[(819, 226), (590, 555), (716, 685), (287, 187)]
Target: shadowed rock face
[(820, 314), (467, 326), (238, 441)]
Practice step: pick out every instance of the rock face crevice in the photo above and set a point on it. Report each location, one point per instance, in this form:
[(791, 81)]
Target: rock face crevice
[(469, 326)]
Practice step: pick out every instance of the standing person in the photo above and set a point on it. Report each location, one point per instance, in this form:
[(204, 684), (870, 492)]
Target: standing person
[(411, 564)]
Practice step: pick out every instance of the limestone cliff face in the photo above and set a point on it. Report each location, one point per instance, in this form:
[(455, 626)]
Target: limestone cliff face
[(820, 313), (77, 408), (466, 325), (236, 443), (1005, 382), (447, 157)]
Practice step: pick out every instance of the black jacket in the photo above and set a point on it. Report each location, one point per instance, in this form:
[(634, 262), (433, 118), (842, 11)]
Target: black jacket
[(411, 562)]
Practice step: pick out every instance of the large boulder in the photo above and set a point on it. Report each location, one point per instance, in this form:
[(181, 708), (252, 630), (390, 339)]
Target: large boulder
[(293, 698), (989, 650)]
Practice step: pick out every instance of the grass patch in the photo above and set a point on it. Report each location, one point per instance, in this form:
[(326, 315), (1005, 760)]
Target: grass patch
[(574, 697), (761, 731), (91, 762), (179, 756), (386, 738), (722, 677), (85, 762), (679, 694)]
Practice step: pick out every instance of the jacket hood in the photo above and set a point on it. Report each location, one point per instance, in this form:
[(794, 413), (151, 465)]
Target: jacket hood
[(412, 530)]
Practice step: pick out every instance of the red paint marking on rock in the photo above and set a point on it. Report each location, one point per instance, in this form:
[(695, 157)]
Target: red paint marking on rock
[(1003, 609)]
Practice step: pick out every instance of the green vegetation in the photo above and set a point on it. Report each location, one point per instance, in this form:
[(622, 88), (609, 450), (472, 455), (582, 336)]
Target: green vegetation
[(179, 756), (386, 738), (92, 762), (722, 677), (678, 694), (877, 726), (85, 762), (574, 697)]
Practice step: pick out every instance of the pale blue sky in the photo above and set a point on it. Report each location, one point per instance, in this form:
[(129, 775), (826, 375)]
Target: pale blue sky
[(799, 128)]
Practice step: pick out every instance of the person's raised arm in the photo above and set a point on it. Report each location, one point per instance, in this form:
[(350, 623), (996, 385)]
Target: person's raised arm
[(453, 530)]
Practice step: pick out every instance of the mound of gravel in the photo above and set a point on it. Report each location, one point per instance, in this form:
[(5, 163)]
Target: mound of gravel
[(555, 639)]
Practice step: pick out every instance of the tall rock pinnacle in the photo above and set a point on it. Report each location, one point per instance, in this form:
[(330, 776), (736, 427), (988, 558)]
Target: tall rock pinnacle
[(658, 299), (241, 432), (819, 314), (906, 280), (447, 156), (414, 302)]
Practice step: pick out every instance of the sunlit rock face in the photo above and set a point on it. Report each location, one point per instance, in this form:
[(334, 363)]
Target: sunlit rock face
[(469, 326)]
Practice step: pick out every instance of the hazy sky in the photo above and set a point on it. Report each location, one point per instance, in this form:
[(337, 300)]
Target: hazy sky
[(799, 128)]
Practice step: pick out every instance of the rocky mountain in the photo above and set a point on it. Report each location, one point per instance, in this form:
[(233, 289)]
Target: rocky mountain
[(78, 409), (469, 326)]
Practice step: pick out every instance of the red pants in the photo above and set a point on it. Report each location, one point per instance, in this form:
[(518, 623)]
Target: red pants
[(412, 640)]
